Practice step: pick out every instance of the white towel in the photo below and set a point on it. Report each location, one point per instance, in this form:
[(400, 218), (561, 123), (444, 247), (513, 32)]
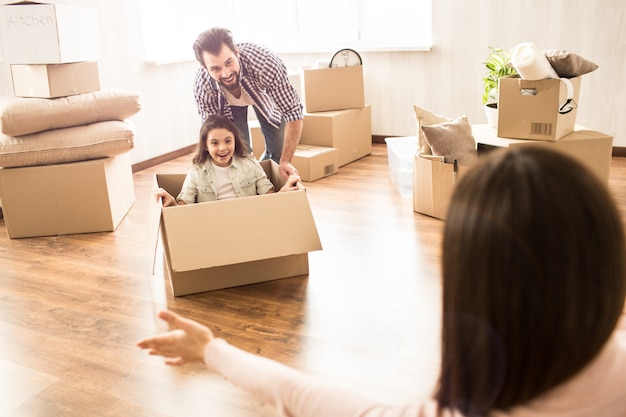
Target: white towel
[(530, 63)]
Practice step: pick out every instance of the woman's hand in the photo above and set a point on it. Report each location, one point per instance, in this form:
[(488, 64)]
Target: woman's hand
[(183, 344), (292, 183)]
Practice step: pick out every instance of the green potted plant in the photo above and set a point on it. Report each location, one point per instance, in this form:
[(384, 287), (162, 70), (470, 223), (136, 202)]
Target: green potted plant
[(498, 65)]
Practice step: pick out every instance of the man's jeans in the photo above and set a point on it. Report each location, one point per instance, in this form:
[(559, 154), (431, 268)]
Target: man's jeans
[(274, 138)]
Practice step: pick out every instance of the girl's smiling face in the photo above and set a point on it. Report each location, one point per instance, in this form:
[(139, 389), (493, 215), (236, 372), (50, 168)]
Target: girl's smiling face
[(221, 146)]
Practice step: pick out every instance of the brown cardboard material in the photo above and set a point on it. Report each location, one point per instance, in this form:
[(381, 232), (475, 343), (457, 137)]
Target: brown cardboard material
[(55, 80), (529, 109), (350, 131), (593, 149), (315, 162), (257, 140), (434, 183), (326, 89), (79, 197), (227, 243), (44, 33)]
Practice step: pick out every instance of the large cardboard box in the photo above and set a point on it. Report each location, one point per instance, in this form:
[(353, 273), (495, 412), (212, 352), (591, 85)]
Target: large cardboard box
[(433, 185), (44, 33), (79, 197), (326, 89), (401, 153), (55, 80), (593, 149), (315, 162), (350, 131), (239, 241), (536, 109)]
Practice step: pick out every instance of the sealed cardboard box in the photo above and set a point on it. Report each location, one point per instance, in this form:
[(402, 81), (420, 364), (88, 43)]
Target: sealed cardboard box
[(44, 33), (537, 109), (227, 243), (326, 89), (79, 197), (433, 185), (350, 131), (55, 80), (593, 149), (315, 162), (401, 153)]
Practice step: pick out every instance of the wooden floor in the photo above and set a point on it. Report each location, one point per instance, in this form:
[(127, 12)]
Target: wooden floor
[(367, 316)]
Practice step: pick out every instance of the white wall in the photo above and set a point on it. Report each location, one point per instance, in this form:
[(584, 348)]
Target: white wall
[(446, 79)]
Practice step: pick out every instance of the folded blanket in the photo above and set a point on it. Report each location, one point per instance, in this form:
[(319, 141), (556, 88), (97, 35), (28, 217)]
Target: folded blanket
[(531, 63)]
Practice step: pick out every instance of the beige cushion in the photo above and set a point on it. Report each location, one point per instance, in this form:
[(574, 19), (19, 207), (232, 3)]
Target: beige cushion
[(452, 140), (71, 144), (426, 118), (23, 116), (568, 64)]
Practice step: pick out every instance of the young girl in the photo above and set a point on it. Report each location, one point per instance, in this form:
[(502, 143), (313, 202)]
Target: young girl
[(222, 168)]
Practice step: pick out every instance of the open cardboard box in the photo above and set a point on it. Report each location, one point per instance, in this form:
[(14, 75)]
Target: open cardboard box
[(239, 241), (434, 183), (537, 109)]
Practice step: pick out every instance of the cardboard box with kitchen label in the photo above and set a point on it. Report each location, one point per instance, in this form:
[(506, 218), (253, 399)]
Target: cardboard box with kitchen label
[(238, 241), (45, 33)]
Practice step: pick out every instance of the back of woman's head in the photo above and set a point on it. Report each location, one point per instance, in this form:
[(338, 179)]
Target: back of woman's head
[(217, 121), (533, 278)]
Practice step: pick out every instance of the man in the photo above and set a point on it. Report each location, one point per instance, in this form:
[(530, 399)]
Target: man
[(233, 77)]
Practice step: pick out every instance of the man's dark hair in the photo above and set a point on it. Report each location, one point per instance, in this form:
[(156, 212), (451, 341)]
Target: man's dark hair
[(211, 41)]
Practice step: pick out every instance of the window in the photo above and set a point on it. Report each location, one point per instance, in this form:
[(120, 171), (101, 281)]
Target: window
[(287, 26)]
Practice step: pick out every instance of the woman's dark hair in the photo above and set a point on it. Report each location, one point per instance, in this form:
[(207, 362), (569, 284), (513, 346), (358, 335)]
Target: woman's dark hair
[(218, 122), (211, 41), (533, 278)]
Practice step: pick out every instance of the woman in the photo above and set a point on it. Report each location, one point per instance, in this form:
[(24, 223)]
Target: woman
[(533, 286)]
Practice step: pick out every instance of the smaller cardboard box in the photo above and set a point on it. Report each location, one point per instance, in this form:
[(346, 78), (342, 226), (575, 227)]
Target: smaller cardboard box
[(257, 140), (79, 197), (238, 241), (350, 131), (433, 185), (44, 33), (55, 80), (326, 89), (401, 153), (537, 109), (591, 148), (315, 162)]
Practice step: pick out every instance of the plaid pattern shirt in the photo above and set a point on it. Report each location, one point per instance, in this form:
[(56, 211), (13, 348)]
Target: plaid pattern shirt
[(263, 77)]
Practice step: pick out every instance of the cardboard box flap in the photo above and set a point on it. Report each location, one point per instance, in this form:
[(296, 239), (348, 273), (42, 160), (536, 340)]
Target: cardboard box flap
[(228, 234)]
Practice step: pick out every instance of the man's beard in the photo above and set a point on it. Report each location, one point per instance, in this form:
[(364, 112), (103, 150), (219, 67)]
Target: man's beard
[(232, 86)]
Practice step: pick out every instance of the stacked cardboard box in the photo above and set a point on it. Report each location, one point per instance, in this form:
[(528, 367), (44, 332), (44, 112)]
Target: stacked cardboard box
[(336, 115), (52, 51)]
